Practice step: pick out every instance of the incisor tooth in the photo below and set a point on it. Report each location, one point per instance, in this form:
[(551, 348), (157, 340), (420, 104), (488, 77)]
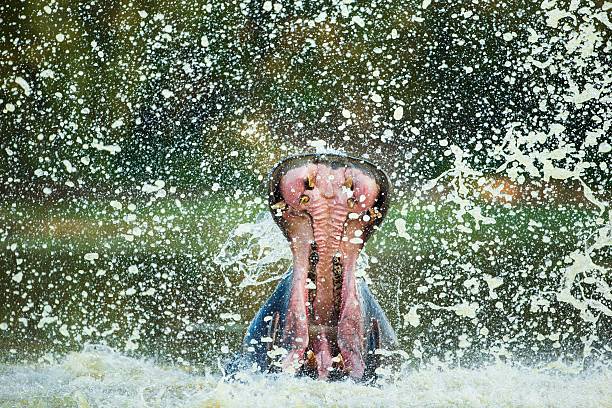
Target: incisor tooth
[(338, 362)]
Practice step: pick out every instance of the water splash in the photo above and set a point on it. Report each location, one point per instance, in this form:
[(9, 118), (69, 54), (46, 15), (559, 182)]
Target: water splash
[(253, 249), (98, 376), (136, 138)]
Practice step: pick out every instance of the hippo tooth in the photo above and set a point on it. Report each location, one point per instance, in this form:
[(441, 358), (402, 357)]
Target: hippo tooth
[(311, 359), (309, 182), (348, 183), (281, 205)]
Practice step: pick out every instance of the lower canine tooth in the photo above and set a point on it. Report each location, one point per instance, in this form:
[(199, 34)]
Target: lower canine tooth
[(338, 362), (311, 359)]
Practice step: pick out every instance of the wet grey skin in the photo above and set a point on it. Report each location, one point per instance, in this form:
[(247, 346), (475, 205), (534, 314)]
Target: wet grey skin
[(321, 320)]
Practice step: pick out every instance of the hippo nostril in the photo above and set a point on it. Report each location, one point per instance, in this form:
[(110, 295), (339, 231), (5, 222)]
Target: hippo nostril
[(350, 202), (304, 199)]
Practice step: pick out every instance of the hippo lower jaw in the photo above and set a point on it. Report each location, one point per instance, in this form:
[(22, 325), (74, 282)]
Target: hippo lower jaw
[(321, 321)]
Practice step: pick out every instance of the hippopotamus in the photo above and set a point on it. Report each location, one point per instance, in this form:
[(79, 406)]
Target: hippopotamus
[(322, 320)]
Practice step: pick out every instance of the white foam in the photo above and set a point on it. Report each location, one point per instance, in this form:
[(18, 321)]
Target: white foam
[(98, 376)]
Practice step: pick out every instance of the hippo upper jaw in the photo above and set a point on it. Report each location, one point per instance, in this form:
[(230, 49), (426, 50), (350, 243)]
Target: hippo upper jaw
[(327, 206)]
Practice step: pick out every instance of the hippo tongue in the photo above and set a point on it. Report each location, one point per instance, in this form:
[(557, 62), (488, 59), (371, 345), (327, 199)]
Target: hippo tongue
[(326, 206)]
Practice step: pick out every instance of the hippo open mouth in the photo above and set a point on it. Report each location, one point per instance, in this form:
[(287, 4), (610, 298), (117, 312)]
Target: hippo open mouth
[(322, 320)]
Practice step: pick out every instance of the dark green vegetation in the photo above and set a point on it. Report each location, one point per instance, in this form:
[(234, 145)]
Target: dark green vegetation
[(186, 317), (180, 85)]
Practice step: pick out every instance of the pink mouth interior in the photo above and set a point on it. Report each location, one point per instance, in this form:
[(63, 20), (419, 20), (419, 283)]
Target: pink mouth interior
[(327, 213)]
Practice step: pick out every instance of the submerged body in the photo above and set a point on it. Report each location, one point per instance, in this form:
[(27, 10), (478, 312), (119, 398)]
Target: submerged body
[(322, 320)]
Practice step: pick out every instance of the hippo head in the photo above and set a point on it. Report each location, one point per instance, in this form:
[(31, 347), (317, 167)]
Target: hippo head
[(327, 205)]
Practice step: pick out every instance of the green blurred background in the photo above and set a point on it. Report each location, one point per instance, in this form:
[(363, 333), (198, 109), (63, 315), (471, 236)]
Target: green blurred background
[(146, 129)]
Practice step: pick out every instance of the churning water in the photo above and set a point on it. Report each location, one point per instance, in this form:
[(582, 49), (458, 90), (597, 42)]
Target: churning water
[(135, 143), (104, 378)]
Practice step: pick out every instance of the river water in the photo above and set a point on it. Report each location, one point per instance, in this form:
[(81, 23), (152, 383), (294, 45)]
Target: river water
[(106, 378), (135, 239)]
